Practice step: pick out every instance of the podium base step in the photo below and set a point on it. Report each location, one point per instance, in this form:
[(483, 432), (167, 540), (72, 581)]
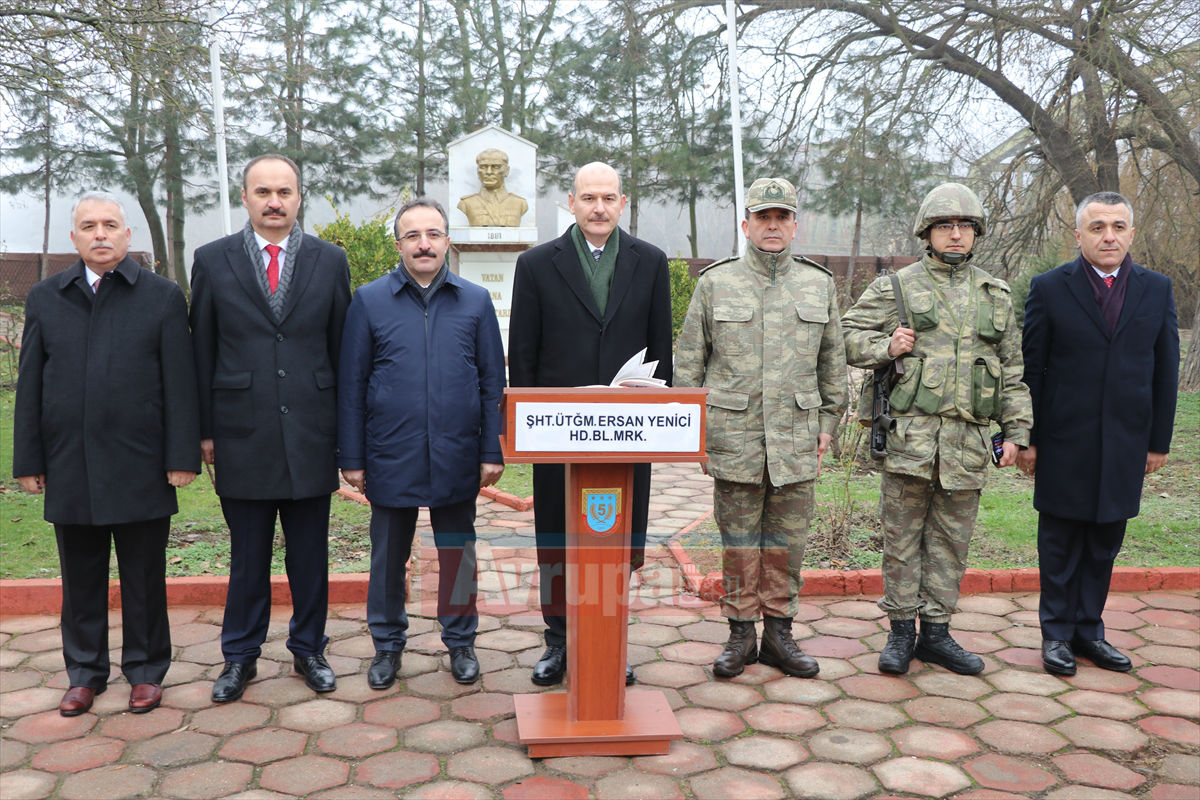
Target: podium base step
[(647, 729)]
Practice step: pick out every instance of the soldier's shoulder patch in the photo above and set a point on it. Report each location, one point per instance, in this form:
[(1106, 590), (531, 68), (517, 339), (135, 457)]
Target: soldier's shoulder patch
[(717, 263), (808, 262), (988, 279)]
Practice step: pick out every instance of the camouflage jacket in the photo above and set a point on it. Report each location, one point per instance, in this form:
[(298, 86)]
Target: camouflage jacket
[(762, 334), (964, 371)]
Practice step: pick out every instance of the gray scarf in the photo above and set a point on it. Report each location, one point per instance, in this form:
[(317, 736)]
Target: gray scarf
[(274, 300)]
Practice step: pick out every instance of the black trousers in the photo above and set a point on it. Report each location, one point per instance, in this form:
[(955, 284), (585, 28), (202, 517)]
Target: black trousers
[(1075, 562), (305, 526), (550, 525), (83, 554)]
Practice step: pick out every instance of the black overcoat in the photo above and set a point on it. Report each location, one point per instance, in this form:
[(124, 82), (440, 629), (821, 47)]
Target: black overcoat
[(1100, 402), (268, 395), (106, 397)]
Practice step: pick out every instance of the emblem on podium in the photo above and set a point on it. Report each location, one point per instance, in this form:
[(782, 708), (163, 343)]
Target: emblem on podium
[(601, 509)]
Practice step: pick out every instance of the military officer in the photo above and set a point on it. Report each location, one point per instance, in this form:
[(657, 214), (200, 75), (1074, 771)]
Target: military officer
[(963, 367), (762, 334)]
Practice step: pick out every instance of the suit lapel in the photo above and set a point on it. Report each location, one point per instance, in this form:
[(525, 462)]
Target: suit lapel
[(243, 270), (302, 272), (1081, 287), (627, 259), (566, 261), (1135, 287)]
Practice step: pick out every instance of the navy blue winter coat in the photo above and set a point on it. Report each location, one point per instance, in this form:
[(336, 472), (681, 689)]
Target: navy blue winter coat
[(419, 390)]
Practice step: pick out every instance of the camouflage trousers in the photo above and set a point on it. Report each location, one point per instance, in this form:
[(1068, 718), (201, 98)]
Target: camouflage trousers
[(926, 533), (763, 533)]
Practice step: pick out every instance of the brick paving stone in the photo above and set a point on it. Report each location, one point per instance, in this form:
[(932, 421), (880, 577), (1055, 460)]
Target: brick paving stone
[(948, 684), (396, 769), (835, 668), (822, 781), (755, 675), (723, 695), (354, 647), (508, 640), (1171, 677), (75, 755), (1020, 657), (1172, 728), (864, 715), (110, 781), (343, 792), (1095, 770), (783, 718), (450, 790), (174, 749), (1009, 774), (1103, 680), (1171, 636), (1022, 636), (705, 631), (1094, 733), (131, 727), (274, 691), (728, 782), (1180, 767), (1170, 656), (1169, 618), (23, 702), (1086, 793), (1121, 620), (981, 642), (10, 659), (12, 755), (1172, 701), (506, 731), (316, 715), (230, 718), (944, 711), (483, 706), (438, 685), (832, 647), (304, 775), (1125, 640), (38, 642), (15, 626), (1019, 738), (587, 766), (670, 673), (414, 663), (264, 745), (858, 609), (987, 604), (496, 765), (26, 784), (50, 726), (652, 635), (685, 758), (1123, 602), (1039, 683), (1024, 707), (444, 736), (1181, 602), (357, 740), (1172, 791), (926, 741), (708, 724), (920, 776), (846, 627), (763, 752), (983, 623), (630, 783), (515, 680), (540, 787), (18, 679), (691, 652), (885, 689), (663, 615), (1102, 704), (851, 746)]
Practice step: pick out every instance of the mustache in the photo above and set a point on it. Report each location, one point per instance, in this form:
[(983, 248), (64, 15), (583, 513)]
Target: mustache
[(424, 253), (100, 246), (274, 212)]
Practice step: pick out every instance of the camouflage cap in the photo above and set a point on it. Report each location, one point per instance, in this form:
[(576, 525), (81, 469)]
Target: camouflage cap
[(771, 193)]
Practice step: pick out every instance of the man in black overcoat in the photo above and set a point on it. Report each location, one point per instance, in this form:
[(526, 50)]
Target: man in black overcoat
[(582, 305), (268, 304), (1101, 347), (106, 425)]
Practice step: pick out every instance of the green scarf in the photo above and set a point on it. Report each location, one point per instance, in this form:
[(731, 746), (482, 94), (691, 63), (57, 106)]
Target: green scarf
[(599, 274)]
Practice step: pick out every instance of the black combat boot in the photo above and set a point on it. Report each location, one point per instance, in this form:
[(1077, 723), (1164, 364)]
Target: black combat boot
[(899, 648), (740, 650), (779, 649), (935, 646)]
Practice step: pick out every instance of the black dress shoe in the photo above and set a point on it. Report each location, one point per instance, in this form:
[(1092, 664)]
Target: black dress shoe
[(382, 672), (1057, 657), (232, 681), (552, 666), (318, 675), (464, 666), (1102, 654), (630, 678)]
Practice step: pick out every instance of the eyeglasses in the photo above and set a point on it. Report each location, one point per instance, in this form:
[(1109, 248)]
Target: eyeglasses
[(947, 227), (434, 236)]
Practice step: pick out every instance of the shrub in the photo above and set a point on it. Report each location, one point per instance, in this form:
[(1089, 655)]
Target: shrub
[(682, 286), (370, 245)]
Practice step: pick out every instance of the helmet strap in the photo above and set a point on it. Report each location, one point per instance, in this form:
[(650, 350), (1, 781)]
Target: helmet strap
[(950, 259)]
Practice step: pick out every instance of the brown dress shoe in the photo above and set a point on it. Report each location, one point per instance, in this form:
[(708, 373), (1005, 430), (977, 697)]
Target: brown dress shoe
[(78, 699), (144, 697)]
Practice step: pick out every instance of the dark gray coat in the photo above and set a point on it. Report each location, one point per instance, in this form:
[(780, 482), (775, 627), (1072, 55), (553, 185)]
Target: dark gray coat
[(268, 395), (106, 397)]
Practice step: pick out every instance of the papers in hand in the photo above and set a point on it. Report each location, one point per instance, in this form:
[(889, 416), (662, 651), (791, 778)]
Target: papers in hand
[(637, 373)]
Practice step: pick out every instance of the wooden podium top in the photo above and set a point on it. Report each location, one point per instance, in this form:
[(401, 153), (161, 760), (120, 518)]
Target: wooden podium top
[(602, 425)]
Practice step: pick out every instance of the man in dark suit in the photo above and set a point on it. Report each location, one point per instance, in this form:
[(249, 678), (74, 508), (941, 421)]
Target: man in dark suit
[(268, 305), (1101, 347), (582, 305), (106, 424)]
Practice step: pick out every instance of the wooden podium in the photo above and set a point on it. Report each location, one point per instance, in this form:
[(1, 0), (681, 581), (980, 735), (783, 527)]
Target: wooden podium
[(599, 434)]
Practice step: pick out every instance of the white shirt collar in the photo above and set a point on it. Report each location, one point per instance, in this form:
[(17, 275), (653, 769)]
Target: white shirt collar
[(262, 243), (92, 277), (1112, 274)]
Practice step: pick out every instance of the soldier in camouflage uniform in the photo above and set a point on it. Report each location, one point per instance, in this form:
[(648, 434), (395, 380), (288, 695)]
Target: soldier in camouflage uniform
[(762, 334), (963, 370)]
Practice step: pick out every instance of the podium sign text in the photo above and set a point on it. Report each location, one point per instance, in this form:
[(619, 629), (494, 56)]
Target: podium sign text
[(586, 428)]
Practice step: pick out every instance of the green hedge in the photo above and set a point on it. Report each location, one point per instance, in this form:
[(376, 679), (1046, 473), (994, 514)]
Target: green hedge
[(370, 245)]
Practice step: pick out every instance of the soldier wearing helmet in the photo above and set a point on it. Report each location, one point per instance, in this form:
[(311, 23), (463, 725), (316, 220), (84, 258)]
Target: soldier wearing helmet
[(962, 373)]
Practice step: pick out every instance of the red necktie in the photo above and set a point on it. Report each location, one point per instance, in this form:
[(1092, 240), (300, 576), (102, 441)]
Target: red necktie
[(1108, 280), (273, 266)]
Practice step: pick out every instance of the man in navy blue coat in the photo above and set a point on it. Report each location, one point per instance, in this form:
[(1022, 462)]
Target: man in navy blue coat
[(419, 383), (1101, 347)]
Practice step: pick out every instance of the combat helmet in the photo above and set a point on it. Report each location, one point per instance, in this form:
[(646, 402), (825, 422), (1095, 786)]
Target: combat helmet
[(949, 201)]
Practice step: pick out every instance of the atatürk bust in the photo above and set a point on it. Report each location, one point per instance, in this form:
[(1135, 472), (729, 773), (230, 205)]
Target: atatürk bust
[(493, 206)]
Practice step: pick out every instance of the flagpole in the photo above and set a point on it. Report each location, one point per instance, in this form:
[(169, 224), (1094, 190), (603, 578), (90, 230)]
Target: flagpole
[(735, 108), (218, 91)]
